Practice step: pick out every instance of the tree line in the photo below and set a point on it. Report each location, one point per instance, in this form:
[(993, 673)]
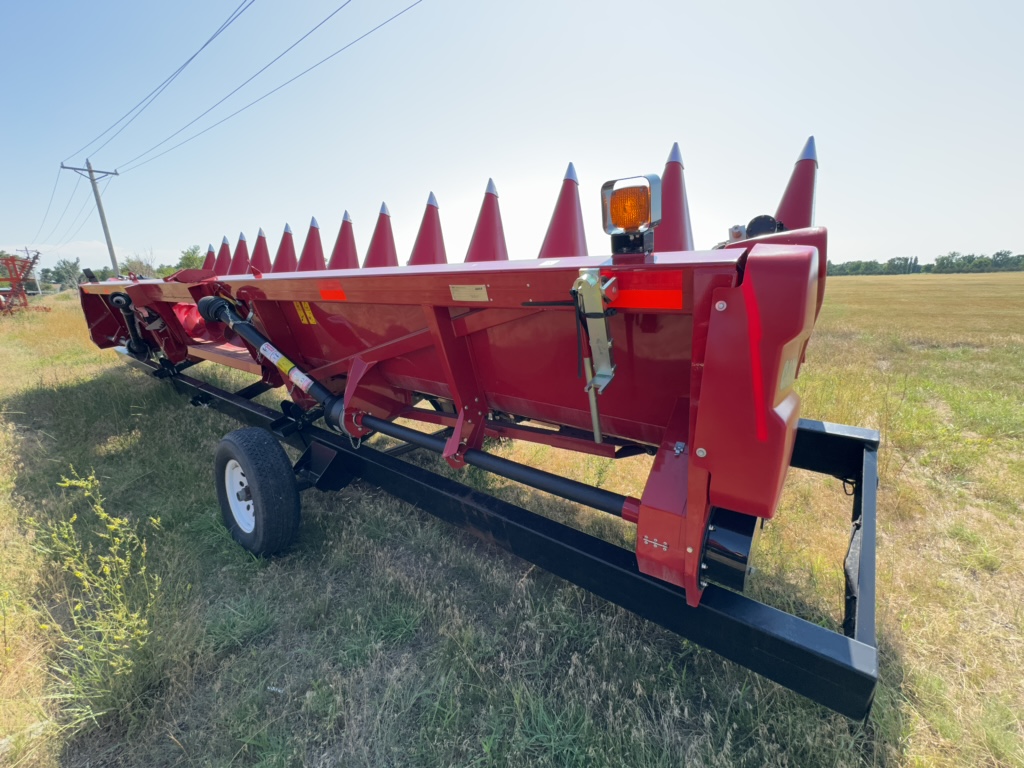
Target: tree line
[(954, 261), (67, 273)]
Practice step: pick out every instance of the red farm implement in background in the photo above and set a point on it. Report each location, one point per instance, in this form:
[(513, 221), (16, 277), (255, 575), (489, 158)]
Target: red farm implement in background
[(18, 271), (657, 349)]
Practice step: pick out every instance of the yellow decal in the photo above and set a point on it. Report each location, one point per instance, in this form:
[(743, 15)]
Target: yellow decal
[(300, 312), (309, 313)]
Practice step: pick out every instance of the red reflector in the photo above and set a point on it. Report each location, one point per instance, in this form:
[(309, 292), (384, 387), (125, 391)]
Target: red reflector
[(331, 290), (647, 290)]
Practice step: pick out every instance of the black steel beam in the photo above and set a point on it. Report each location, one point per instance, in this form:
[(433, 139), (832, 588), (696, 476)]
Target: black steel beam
[(255, 389), (832, 449), (837, 671), (865, 503), (825, 666)]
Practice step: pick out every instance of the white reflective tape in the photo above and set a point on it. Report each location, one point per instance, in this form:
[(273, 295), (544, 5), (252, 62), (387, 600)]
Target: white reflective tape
[(301, 380)]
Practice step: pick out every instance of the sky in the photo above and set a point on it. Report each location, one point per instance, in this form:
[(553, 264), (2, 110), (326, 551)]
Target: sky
[(916, 109)]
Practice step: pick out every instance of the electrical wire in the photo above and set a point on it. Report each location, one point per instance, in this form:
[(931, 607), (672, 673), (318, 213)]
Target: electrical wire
[(52, 193), (64, 239), (275, 90), (236, 90), (68, 205), (85, 220), (152, 95)]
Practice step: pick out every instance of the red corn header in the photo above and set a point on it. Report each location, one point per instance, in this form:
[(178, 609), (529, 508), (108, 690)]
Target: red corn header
[(651, 348)]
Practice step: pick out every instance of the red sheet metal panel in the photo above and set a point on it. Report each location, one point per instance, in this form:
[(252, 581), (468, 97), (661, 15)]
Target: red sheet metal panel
[(747, 417), (706, 346)]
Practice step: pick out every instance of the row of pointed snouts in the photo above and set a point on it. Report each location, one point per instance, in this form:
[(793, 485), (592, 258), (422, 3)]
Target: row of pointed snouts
[(565, 238), (565, 235)]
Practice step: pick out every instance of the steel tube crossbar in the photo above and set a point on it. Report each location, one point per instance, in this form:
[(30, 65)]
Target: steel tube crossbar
[(598, 498)]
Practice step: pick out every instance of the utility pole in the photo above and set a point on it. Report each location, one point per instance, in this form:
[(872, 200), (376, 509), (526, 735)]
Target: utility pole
[(88, 170), (35, 273)]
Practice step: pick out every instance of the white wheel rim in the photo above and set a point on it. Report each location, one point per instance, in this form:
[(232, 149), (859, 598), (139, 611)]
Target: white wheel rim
[(235, 483)]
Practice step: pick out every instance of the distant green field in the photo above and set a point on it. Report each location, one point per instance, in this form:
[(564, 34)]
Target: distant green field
[(387, 638)]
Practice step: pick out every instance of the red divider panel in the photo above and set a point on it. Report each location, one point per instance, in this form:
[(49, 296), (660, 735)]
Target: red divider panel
[(429, 245), (382, 252), (240, 261), (674, 233), (565, 235), (312, 258), (344, 255), (796, 209), (488, 243), (260, 261), (285, 260)]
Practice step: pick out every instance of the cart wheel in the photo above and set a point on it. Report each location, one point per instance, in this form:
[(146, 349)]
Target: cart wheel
[(139, 350), (259, 500)]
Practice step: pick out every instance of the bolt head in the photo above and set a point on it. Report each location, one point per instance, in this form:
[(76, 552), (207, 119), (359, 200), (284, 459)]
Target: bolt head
[(720, 306), (701, 452), (689, 550)]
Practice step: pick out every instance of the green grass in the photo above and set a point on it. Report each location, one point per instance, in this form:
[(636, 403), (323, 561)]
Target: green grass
[(387, 638)]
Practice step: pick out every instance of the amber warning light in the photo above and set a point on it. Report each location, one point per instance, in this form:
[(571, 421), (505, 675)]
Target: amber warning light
[(631, 205), (630, 210)]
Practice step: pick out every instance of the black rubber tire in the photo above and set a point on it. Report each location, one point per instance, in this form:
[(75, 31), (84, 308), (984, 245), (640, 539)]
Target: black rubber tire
[(120, 300), (139, 350), (266, 468)]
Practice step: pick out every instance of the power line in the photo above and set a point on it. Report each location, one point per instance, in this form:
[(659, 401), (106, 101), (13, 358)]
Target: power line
[(275, 90), (86, 219), (166, 83), (236, 90), (64, 238), (68, 205), (152, 95), (52, 193)]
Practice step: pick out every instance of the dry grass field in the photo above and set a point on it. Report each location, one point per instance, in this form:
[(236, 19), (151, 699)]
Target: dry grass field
[(134, 632)]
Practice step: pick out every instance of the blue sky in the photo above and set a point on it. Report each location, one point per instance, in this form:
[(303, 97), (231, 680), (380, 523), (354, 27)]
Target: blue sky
[(916, 108)]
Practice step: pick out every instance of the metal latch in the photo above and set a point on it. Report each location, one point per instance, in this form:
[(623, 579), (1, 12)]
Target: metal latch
[(591, 294)]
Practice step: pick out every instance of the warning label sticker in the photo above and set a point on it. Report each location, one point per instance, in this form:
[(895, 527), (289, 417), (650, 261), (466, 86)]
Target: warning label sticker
[(269, 352), (305, 312), (301, 380)]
